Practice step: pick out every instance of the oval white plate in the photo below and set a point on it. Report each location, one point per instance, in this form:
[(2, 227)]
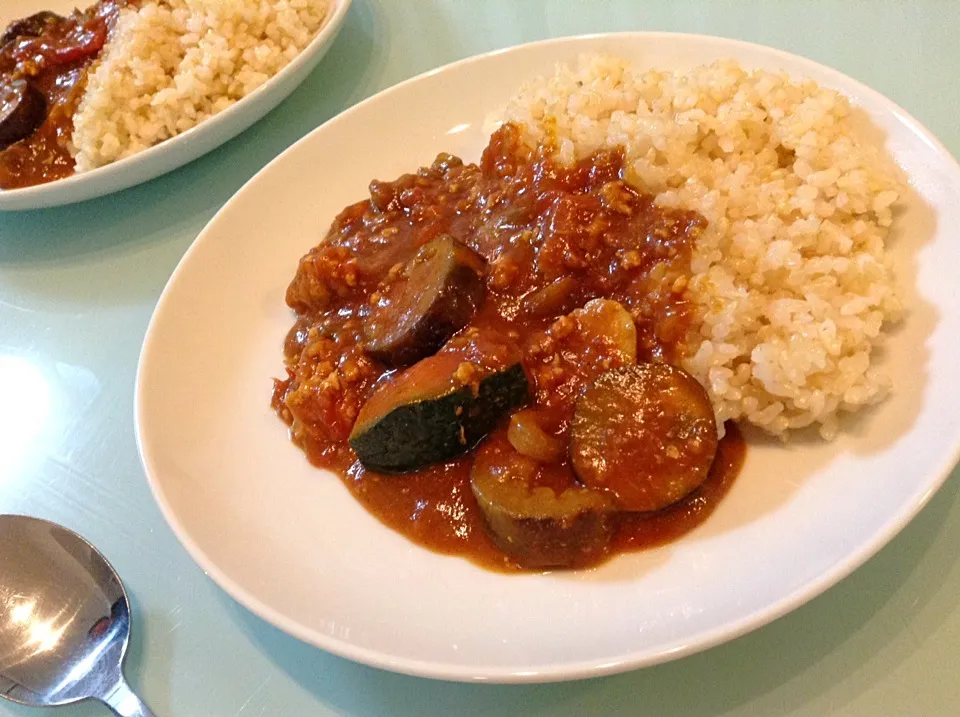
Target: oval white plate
[(179, 150), (289, 542)]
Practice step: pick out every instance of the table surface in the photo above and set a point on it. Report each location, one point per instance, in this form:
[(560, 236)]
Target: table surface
[(78, 285)]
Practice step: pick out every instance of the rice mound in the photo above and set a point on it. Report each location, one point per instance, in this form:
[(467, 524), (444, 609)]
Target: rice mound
[(171, 64), (790, 279)]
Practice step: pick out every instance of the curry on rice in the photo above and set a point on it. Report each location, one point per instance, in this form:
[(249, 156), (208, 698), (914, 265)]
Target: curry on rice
[(537, 361), (103, 84)]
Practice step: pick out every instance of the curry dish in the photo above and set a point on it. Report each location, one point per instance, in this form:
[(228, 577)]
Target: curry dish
[(44, 61), (486, 354)]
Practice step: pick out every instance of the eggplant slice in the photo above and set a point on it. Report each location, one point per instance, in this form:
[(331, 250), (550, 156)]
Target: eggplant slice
[(23, 109), (436, 295), (538, 526), (645, 433)]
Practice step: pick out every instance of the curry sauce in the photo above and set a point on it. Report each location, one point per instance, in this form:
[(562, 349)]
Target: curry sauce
[(553, 238)]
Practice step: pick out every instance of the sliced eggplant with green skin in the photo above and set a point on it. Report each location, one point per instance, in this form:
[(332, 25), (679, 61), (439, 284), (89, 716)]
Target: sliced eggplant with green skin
[(535, 525), (437, 294), (646, 434), (436, 410)]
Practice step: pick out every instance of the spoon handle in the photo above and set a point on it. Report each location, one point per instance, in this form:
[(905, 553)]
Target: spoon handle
[(125, 703)]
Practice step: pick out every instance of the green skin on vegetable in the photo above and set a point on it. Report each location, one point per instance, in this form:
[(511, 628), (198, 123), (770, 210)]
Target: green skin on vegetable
[(418, 433)]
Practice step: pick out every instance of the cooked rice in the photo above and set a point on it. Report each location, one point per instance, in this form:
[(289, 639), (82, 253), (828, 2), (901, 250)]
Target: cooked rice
[(790, 279), (173, 63)]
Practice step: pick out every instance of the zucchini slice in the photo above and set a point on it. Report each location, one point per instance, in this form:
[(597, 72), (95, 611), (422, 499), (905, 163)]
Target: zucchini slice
[(435, 296), (537, 525), (644, 433), (437, 409)]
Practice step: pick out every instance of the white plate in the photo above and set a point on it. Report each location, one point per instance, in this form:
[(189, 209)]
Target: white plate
[(179, 150), (291, 544)]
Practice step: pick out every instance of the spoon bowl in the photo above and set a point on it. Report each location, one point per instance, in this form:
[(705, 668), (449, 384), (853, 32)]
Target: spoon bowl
[(64, 620)]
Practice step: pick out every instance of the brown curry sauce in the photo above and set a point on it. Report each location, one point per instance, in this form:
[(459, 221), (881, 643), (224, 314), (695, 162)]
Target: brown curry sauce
[(554, 238)]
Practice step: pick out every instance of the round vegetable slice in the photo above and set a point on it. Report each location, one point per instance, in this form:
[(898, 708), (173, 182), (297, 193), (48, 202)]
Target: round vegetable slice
[(645, 433), (538, 526), (22, 109), (437, 295), (440, 407)]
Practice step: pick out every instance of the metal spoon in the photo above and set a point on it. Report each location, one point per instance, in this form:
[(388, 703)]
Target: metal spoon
[(64, 620)]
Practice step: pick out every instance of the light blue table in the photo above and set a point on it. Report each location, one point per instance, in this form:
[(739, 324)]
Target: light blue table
[(78, 285)]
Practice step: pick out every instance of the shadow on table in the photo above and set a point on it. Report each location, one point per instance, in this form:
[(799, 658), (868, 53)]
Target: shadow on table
[(797, 661), (151, 634), (183, 200)]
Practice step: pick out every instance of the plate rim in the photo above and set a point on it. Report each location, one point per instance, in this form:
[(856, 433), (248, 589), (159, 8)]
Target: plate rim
[(568, 670), (49, 194)]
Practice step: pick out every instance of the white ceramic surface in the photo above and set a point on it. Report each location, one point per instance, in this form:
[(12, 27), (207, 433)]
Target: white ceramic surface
[(289, 542), (183, 148)]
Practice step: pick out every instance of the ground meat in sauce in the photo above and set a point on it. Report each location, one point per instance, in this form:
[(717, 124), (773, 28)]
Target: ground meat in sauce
[(554, 238)]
